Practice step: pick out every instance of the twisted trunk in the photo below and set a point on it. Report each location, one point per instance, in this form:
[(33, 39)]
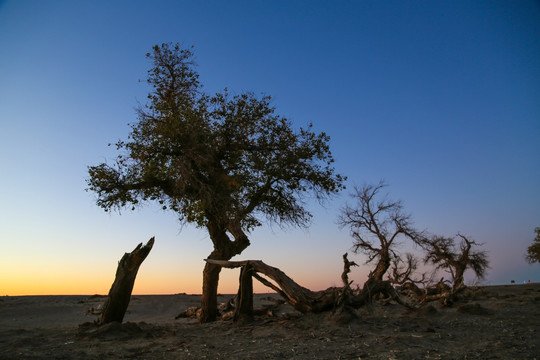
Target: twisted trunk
[(382, 265), (210, 288), (458, 282), (224, 249), (117, 301)]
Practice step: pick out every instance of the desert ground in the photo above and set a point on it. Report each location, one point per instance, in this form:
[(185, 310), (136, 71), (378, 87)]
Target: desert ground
[(492, 322)]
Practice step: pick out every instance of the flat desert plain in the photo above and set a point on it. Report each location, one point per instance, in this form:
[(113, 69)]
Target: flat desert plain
[(492, 322)]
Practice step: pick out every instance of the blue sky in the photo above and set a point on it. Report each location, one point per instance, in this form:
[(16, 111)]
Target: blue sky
[(441, 99)]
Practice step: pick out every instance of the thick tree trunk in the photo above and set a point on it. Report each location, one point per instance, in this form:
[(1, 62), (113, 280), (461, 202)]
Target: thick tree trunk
[(382, 266), (458, 278), (117, 301), (209, 293), (224, 249)]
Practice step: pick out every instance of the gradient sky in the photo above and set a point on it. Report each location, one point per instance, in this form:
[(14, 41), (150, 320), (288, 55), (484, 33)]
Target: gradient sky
[(439, 98)]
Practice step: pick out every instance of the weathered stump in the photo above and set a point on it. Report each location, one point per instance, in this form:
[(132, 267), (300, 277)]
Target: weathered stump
[(244, 300), (346, 270), (117, 301)]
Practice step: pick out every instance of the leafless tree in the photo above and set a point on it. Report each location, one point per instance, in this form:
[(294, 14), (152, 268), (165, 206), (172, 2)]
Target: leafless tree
[(445, 254), (376, 224)]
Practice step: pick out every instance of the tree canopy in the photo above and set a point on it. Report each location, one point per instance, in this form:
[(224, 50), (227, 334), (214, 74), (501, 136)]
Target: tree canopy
[(533, 251), (225, 162)]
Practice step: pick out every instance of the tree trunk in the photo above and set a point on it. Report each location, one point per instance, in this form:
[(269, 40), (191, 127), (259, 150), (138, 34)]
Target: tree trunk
[(458, 278), (209, 291), (117, 301), (244, 299), (382, 266), (224, 249)]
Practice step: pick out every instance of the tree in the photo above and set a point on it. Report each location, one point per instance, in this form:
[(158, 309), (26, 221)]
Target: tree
[(533, 251), (376, 225), (222, 162), (443, 253)]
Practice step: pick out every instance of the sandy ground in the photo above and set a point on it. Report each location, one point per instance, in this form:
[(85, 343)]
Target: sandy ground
[(495, 322)]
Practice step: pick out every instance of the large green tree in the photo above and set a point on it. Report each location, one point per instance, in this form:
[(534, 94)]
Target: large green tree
[(223, 162)]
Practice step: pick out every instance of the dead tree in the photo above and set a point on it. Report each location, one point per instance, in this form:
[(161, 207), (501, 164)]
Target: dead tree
[(376, 225), (346, 270), (443, 252), (244, 299), (305, 300), (117, 301)]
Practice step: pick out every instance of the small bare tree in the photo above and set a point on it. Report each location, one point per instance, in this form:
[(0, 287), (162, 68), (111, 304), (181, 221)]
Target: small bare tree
[(376, 225), (444, 254)]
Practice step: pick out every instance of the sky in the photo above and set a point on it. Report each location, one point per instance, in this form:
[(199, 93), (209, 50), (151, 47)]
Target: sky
[(440, 99)]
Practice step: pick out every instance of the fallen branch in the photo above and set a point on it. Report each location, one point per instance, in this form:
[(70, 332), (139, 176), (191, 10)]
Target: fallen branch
[(307, 301)]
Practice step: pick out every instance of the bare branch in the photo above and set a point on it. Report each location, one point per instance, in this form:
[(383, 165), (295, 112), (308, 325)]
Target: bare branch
[(376, 224)]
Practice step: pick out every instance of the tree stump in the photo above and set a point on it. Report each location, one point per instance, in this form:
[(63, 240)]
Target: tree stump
[(117, 301), (346, 270), (244, 299)]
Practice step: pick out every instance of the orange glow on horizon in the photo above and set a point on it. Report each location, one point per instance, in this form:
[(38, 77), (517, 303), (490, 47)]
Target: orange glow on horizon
[(145, 284), (82, 284)]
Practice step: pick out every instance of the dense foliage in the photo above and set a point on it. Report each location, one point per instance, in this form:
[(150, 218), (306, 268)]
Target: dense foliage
[(222, 158)]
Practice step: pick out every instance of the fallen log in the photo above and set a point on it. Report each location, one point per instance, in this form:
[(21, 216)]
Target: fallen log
[(307, 301), (302, 299), (117, 301)]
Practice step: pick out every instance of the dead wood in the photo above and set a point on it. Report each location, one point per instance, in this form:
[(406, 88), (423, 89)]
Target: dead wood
[(244, 303), (411, 289), (346, 270), (441, 292), (307, 301), (117, 301), (302, 299), (228, 309), (189, 312)]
